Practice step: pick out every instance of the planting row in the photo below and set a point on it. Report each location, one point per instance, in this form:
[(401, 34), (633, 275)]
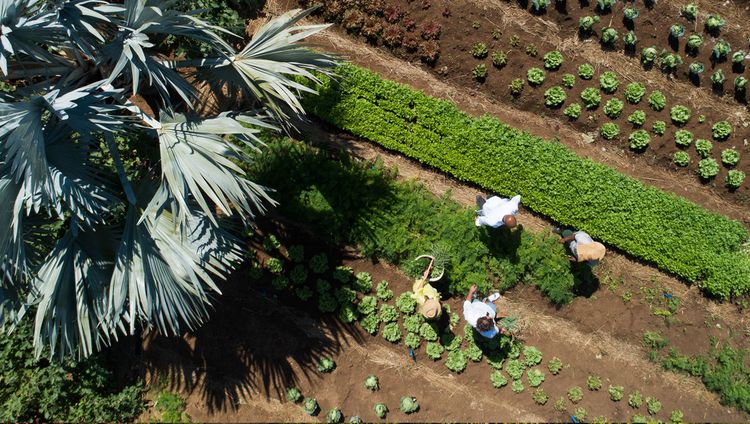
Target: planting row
[(662, 228)]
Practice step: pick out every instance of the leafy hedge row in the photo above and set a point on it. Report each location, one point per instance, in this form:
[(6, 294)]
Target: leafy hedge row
[(676, 235)]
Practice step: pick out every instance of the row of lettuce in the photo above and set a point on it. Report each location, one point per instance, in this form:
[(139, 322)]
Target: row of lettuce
[(664, 229)]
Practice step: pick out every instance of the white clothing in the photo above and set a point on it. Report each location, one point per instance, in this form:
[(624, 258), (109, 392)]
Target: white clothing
[(581, 237), (477, 309), (495, 208)]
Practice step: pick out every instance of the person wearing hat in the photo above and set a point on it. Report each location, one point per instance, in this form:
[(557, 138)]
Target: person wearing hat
[(497, 212), (583, 247), (480, 314), (427, 297)]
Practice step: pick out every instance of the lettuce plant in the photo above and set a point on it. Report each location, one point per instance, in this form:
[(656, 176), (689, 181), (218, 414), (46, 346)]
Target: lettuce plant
[(586, 24), (499, 59), (296, 253), (271, 243), (630, 40), (367, 305), (634, 92), (427, 331), (696, 68), (681, 158), (714, 23), (280, 282), (568, 80), (675, 417), (535, 76), (517, 386), (535, 377), (609, 130), (613, 108), (554, 96), (319, 263), (637, 118), (575, 394), (412, 340), (451, 343), (392, 332), (689, 11), (334, 416), (708, 168), (474, 353), (609, 82), (540, 397), (730, 157), (639, 139), (721, 49), (274, 265), (304, 293), (363, 282), (594, 382), (388, 313), (560, 405), (355, 419), (580, 414), (406, 303), (553, 60), (310, 405), (694, 41), (659, 127), (703, 147), (381, 410), (591, 98), (683, 138), (605, 5), (653, 405), (412, 323), (293, 395), (635, 399), (630, 13), (586, 71), (326, 364), (670, 61), (721, 130), (498, 379), (298, 274), (539, 5), (383, 292), (639, 419), (434, 350), (515, 369), (649, 55), (680, 114), (347, 313), (676, 31), (555, 365), (456, 361), (479, 50), (573, 111), (657, 101), (370, 323), (718, 77), (327, 303), (609, 37), (343, 273), (734, 178), (516, 86), (616, 393), (531, 356), (346, 295)]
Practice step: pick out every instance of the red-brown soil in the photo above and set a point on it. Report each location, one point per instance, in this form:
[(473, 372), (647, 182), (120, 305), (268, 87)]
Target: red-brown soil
[(455, 64)]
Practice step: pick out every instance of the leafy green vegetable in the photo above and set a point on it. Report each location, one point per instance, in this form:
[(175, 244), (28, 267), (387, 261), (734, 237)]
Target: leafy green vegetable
[(343, 273), (346, 295), (683, 138), (580, 414), (516, 86), (367, 305), (540, 397), (586, 24), (653, 405), (363, 282), (310, 405), (609, 82), (456, 361), (517, 386), (554, 96), (568, 80), (637, 118), (634, 92), (586, 71), (327, 303), (594, 382), (434, 350), (473, 352), (613, 108), (412, 340), (721, 49), (319, 263), (479, 50), (405, 303), (675, 416), (535, 377), (499, 59), (326, 364), (573, 111), (616, 393), (734, 178), (427, 331), (371, 383), (659, 127), (591, 98), (535, 76), (681, 158), (381, 410), (575, 394), (413, 322), (515, 369), (370, 323), (532, 356), (553, 60), (334, 416), (388, 313), (391, 332), (635, 399), (348, 313), (714, 23), (703, 147), (648, 55), (609, 37), (498, 379), (730, 157), (274, 265), (409, 405), (555, 365), (679, 114), (721, 130), (639, 139), (293, 395), (383, 292), (708, 168)]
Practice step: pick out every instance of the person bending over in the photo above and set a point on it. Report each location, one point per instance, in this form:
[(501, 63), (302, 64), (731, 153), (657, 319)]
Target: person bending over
[(496, 211), (480, 314)]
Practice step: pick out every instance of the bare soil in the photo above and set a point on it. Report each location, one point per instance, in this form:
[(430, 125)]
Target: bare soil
[(455, 63)]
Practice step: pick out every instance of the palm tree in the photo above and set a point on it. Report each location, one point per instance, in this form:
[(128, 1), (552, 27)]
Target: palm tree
[(96, 240)]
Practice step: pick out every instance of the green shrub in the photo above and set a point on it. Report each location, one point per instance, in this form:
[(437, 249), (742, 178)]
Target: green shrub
[(708, 168), (573, 111), (554, 96), (730, 157), (637, 118), (434, 131), (639, 139), (657, 100), (703, 147), (679, 114), (681, 158), (721, 130), (586, 71), (535, 76), (616, 393), (634, 92), (635, 399), (613, 108), (575, 394), (479, 50), (591, 98), (594, 382), (568, 80), (659, 127), (609, 82), (553, 60), (734, 178), (683, 138)]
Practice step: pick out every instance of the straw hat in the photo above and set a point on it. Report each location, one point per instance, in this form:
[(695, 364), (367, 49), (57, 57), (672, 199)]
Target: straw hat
[(590, 251), (431, 309)]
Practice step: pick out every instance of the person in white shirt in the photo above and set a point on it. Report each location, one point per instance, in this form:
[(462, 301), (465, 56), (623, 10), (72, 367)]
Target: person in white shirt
[(496, 211), (481, 314)]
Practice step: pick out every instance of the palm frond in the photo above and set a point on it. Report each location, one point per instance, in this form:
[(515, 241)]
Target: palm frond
[(265, 69), (86, 22), (163, 278), (196, 162)]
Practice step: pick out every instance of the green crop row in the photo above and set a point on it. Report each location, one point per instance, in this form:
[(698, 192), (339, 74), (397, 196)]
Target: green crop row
[(674, 234)]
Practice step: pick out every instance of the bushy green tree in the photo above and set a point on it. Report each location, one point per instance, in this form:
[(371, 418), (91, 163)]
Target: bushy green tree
[(112, 211)]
